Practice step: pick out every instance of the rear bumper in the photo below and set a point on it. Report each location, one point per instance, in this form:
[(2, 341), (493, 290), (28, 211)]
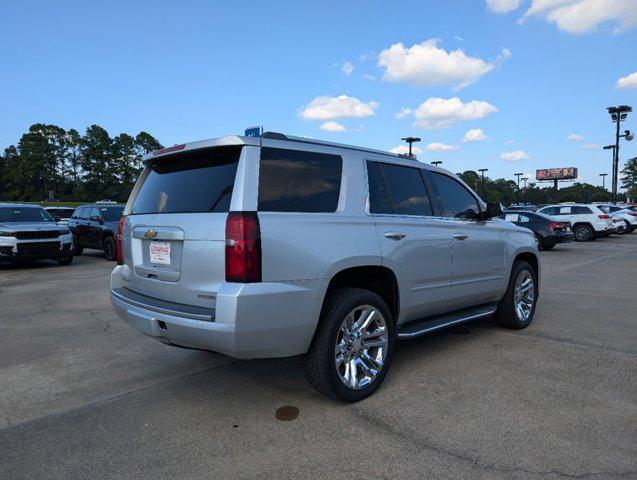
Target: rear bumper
[(557, 238), (258, 320)]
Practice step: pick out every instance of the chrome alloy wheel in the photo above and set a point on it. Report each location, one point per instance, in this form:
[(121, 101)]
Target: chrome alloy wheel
[(524, 295), (361, 347)]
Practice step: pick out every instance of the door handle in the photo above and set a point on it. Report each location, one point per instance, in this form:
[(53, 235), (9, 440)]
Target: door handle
[(460, 236), (395, 235)]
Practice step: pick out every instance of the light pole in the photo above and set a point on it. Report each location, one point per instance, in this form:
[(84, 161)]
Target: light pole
[(410, 140), (617, 115), (518, 175), (437, 162), (482, 170), (604, 175)]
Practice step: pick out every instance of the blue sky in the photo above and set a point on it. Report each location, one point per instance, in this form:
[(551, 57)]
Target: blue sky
[(192, 70)]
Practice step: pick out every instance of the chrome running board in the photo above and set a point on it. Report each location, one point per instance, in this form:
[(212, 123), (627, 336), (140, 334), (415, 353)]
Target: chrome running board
[(431, 324)]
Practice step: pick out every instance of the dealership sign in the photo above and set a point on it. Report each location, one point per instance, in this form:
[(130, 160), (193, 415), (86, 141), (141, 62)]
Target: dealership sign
[(567, 173)]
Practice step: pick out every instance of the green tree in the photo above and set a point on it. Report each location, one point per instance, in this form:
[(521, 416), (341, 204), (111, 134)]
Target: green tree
[(97, 162), (629, 180)]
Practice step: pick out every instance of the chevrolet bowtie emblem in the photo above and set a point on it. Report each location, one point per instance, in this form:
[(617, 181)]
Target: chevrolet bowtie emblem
[(150, 233)]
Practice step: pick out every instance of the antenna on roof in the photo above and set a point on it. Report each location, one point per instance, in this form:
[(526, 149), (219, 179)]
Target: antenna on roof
[(411, 140)]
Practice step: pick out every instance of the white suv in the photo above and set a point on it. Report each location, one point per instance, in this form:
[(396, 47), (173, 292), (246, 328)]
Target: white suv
[(588, 222), (274, 246)]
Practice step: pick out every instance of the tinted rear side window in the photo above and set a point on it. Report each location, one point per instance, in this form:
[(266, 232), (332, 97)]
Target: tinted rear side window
[(198, 181), (454, 199), (397, 189), (295, 181), (581, 210)]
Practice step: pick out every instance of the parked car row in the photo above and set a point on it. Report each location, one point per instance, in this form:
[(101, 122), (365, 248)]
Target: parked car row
[(553, 224), (30, 232)]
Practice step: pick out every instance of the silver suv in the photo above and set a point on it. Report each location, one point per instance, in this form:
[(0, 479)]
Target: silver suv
[(273, 246)]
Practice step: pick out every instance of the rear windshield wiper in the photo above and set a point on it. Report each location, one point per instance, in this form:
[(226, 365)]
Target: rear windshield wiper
[(220, 197)]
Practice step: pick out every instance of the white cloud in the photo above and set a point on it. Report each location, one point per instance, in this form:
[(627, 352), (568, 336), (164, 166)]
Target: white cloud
[(474, 135), (574, 137), (583, 16), (369, 76), (437, 113), (404, 150), (425, 65), (510, 142), (347, 68), (629, 81), (591, 146), (332, 127), (503, 6), (441, 147), (328, 108), (515, 156)]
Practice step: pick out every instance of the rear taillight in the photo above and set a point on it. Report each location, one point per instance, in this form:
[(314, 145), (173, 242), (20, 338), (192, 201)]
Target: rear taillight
[(555, 225), (604, 217), (118, 247), (243, 247), (633, 214)]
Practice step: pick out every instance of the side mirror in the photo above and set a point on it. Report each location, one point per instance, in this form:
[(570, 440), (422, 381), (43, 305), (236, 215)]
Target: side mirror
[(493, 210), (95, 218)]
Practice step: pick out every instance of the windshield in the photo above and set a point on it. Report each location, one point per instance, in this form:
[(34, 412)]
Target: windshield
[(24, 214), (112, 214)]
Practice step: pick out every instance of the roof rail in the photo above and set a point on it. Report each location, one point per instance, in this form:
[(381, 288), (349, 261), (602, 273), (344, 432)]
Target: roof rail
[(313, 141)]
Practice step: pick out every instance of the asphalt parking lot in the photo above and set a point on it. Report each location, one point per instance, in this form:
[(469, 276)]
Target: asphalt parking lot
[(83, 395)]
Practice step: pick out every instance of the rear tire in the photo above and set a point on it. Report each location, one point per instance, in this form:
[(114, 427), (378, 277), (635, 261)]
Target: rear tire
[(625, 229), (548, 247), (517, 308), (335, 352), (583, 233), (109, 246)]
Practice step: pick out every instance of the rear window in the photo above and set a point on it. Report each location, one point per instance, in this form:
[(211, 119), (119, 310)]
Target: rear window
[(296, 181), (111, 214), (191, 182)]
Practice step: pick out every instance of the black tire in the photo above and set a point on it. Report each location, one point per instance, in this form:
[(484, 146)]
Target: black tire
[(77, 249), (505, 315), (66, 260), (583, 233), (625, 229), (319, 363), (110, 249), (548, 247)]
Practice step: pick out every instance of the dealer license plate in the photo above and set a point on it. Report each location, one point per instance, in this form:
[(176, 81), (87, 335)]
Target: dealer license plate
[(160, 253)]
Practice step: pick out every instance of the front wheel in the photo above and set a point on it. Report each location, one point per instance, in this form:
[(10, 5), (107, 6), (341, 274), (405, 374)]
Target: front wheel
[(68, 260), (517, 308), (353, 346), (622, 229), (77, 249)]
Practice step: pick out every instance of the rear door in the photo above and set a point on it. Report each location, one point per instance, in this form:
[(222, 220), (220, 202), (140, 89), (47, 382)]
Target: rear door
[(174, 236), (414, 243), (477, 246)]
